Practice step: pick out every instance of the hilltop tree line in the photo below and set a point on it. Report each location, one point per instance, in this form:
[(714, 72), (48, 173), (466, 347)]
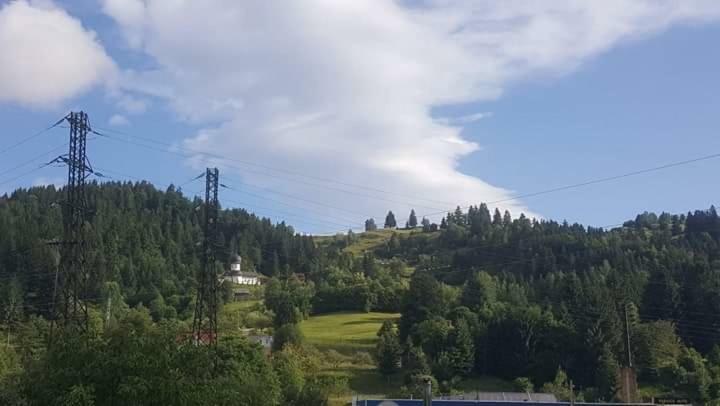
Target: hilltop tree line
[(391, 222), (541, 301)]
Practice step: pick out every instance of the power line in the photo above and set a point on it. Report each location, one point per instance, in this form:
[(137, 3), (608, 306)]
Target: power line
[(302, 199), (300, 216), (596, 181), (326, 215), (26, 163), (359, 224), (31, 137), (280, 170), (193, 155)]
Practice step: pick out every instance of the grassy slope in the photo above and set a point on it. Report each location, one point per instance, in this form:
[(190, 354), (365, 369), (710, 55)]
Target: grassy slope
[(353, 333), (347, 333), (366, 241), (350, 334)]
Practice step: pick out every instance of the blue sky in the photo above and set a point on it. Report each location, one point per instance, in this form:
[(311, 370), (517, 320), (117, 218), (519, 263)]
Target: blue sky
[(638, 106), (380, 109)]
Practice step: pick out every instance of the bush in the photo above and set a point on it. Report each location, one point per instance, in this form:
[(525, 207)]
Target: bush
[(362, 358), (334, 359), (287, 334), (523, 384), (415, 386)]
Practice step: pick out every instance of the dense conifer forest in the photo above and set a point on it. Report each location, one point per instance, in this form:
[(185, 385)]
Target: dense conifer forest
[(538, 303)]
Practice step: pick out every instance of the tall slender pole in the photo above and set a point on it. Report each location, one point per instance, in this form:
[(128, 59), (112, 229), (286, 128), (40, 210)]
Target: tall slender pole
[(72, 278), (427, 401), (206, 304), (627, 335)]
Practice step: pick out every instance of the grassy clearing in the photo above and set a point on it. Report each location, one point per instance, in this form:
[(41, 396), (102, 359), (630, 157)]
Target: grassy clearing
[(354, 335), (366, 241), (233, 307), (347, 333)]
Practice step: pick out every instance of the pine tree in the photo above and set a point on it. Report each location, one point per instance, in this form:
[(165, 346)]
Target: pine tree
[(412, 221), (497, 218), (390, 220), (462, 353), (388, 350), (479, 291), (370, 225), (414, 360), (507, 218), (425, 225), (606, 374)]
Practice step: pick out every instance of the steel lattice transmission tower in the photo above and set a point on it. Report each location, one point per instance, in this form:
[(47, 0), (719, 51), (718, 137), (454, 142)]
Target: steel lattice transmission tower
[(205, 322), (72, 311)]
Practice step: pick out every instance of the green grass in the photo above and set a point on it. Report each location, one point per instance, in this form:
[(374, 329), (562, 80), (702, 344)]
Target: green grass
[(237, 306), (351, 333), (346, 332), (366, 241)]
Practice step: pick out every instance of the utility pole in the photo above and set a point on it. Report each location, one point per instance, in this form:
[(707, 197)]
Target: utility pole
[(205, 321), (628, 379), (107, 311), (427, 398), (73, 279), (627, 335)]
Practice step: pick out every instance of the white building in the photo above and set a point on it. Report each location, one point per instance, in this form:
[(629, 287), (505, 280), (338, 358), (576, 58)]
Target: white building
[(236, 266), (238, 277), (243, 278), (265, 341)]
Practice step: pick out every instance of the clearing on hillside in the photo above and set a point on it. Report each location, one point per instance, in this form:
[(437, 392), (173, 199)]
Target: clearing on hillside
[(346, 332), (366, 241)]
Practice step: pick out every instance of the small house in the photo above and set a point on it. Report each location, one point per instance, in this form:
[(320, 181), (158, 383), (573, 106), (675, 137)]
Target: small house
[(241, 294), (265, 341)]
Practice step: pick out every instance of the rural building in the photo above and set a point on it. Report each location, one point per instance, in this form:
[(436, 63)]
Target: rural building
[(242, 294), (264, 340), (243, 278), (237, 276), (236, 265)]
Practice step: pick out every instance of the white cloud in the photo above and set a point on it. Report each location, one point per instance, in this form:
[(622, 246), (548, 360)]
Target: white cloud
[(118, 120), (47, 55), (462, 120), (129, 103), (344, 89)]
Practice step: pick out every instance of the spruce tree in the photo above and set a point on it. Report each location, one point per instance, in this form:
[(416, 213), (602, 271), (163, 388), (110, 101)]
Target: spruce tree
[(462, 353), (388, 350), (390, 220), (412, 221), (370, 225), (414, 360)]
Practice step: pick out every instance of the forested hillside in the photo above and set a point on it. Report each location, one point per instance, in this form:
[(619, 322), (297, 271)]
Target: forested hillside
[(539, 303), (146, 240), (519, 298)]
